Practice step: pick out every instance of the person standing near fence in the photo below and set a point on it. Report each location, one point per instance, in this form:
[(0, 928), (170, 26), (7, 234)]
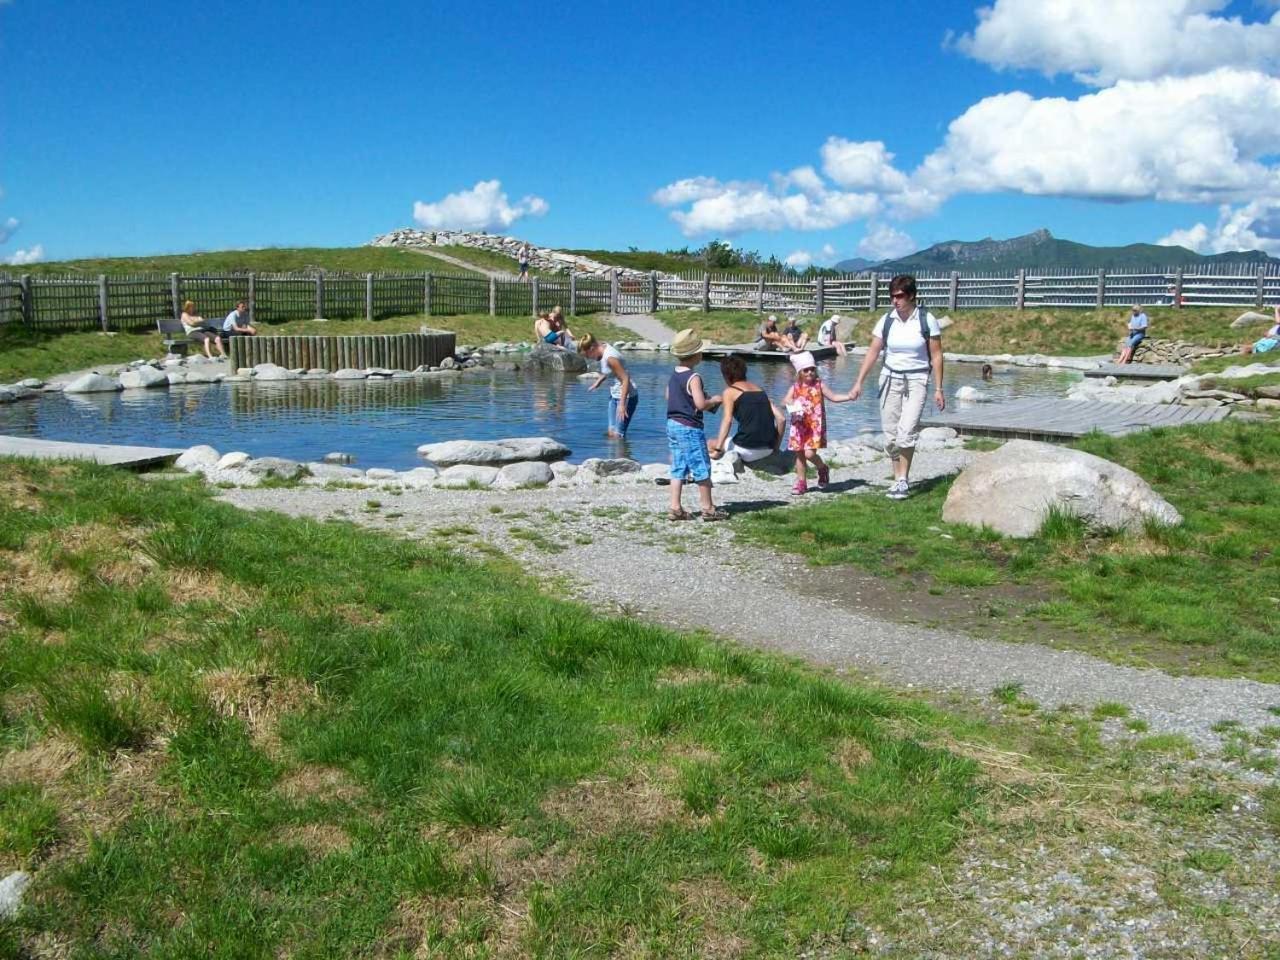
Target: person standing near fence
[(522, 257), (237, 323), (911, 341)]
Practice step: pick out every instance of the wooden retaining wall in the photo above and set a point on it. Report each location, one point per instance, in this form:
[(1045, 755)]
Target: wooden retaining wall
[(406, 351)]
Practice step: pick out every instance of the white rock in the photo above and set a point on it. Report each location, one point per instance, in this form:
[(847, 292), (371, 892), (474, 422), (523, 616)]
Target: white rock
[(654, 471), (527, 473), (196, 459), (205, 374), (970, 393), (493, 453), (30, 383), (326, 472), (269, 371), (11, 889), (92, 383), (1249, 318), (597, 468), (176, 377), (231, 461), (938, 434), (380, 473), (563, 469), (143, 378), (274, 467), (466, 474), (1013, 488), (419, 478)]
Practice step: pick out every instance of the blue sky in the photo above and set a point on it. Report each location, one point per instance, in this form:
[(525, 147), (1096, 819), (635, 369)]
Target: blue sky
[(142, 127)]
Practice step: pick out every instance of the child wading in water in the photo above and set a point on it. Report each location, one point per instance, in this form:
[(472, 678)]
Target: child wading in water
[(805, 404), (686, 403)]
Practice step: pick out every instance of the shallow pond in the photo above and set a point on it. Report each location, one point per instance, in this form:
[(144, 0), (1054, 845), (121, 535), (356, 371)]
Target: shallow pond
[(383, 422)]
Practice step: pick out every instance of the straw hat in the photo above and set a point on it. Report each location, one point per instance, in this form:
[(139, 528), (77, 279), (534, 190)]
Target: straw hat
[(803, 361), (687, 343)]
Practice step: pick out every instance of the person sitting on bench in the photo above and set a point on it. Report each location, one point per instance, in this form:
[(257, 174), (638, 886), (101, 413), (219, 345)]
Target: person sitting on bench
[(200, 330), (237, 323)]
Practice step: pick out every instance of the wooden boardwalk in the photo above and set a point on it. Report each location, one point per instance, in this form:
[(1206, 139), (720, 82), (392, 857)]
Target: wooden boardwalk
[(113, 455), (748, 352), (1138, 371), (1047, 418)]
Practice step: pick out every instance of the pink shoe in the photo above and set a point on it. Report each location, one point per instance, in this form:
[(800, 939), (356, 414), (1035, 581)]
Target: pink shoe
[(800, 488), (824, 476)]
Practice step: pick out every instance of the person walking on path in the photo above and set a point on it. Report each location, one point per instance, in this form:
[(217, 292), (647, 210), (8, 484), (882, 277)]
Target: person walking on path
[(623, 396), (806, 403), (522, 257), (686, 403), (911, 340), (1138, 324)]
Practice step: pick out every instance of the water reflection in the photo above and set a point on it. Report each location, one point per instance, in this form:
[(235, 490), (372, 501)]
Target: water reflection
[(382, 422)]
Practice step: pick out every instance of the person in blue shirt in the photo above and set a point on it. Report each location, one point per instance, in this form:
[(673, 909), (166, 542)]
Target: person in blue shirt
[(237, 323), (1137, 333)]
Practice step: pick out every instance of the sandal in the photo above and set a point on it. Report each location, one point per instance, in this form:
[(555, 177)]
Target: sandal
[(800, 489), (824, 476), (679, 515), (716, 514)]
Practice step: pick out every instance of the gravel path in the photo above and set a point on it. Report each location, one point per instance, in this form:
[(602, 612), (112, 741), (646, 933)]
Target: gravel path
[(644, 325), (612, 546)]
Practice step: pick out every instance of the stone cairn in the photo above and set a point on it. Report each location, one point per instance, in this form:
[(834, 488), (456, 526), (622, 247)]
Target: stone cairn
[(540, 258)]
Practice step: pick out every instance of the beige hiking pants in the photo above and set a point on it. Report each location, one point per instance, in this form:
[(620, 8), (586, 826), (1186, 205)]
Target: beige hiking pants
[(902, 398)]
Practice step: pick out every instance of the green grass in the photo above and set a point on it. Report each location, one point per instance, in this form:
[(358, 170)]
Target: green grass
[(488, 260), (1197, 598), (643, 260), (239, 713), (271, 260), (1246, 385)]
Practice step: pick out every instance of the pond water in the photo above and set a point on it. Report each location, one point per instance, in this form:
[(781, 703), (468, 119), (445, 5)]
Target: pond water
[(383, 422)]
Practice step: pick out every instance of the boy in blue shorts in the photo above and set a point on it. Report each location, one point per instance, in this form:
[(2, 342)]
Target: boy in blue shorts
[(686, 403)]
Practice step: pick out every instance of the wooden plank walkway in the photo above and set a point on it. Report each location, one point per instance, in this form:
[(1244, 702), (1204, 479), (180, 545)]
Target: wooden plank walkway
[(112, 455), (1047, 418), (1138, 371), (748, 352)]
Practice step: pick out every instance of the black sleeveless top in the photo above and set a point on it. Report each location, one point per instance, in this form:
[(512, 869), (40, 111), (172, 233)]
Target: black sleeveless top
[(756, 427), (680, 406)]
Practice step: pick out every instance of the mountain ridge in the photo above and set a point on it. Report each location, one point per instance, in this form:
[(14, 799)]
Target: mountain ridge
[(1040, 248)]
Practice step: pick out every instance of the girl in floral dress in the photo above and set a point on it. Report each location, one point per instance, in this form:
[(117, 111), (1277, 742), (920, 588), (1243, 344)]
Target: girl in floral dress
[(805, 403)]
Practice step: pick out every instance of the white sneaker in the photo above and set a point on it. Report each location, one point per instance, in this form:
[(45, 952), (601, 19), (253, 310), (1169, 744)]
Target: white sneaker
[(898, 491)]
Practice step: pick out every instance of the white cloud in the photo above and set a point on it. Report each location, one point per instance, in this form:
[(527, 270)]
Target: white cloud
[(483, 207), (1102, 41), (753, 207), (1252, 226), (1198, 139), (803, 259), (883, 242), (8, 229), (686, 191), (864, 165), (19, 257)]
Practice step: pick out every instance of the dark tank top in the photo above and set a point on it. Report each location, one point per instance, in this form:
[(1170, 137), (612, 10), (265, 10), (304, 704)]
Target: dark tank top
[(756, 427), (680, 406)]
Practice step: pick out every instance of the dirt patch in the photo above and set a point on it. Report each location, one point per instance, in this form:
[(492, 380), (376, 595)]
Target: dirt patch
[(852, 755), (314, 782), (709, 902), (259, 699), (19, 493), (184, 585), (605, 806), (44, 763), (358, 615), (318, 839), (683, 676)]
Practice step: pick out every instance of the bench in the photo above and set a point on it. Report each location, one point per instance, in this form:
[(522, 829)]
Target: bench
[(176, 338)]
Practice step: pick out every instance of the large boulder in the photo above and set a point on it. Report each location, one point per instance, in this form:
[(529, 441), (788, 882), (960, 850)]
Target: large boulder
[(11, 890), (527, 473), (92, 383), (143, 378), (1012, 490), (467, 475), (596, 468), (493, 453), (556, 358), (198, 459), (277, 467), (1249, 318)]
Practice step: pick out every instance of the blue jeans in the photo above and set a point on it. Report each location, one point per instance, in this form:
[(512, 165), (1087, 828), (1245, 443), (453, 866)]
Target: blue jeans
[(689, 457), (613, 413)]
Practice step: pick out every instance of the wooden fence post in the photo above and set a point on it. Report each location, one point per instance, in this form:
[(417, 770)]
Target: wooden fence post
[(953, 295), (175, 292), (1020, 295), (706, 293), (102, 301), (368, 297), (1262, 287), (653, 291), (820, 295), (1101, 299), (319, 295), (253, 297), (426, 294), (28, 304), (760, 295), (875, 292), (533, 294), (573, 292), (493, 296), (613, 291), (1177, 288)]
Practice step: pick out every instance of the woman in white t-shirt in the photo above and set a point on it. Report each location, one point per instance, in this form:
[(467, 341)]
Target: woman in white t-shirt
[(829, 334), (909, 355), (612, 368)]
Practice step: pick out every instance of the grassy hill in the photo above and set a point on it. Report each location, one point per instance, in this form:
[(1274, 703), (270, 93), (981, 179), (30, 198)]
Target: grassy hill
[(270, 260), (643, 260)]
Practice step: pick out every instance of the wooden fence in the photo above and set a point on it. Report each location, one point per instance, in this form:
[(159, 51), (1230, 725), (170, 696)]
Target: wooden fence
[(405, 351), (118, 302)]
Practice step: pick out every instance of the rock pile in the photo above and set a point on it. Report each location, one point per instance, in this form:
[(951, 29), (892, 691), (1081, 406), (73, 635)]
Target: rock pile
[(1178, 352), (1193, 390), (543, 259)]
